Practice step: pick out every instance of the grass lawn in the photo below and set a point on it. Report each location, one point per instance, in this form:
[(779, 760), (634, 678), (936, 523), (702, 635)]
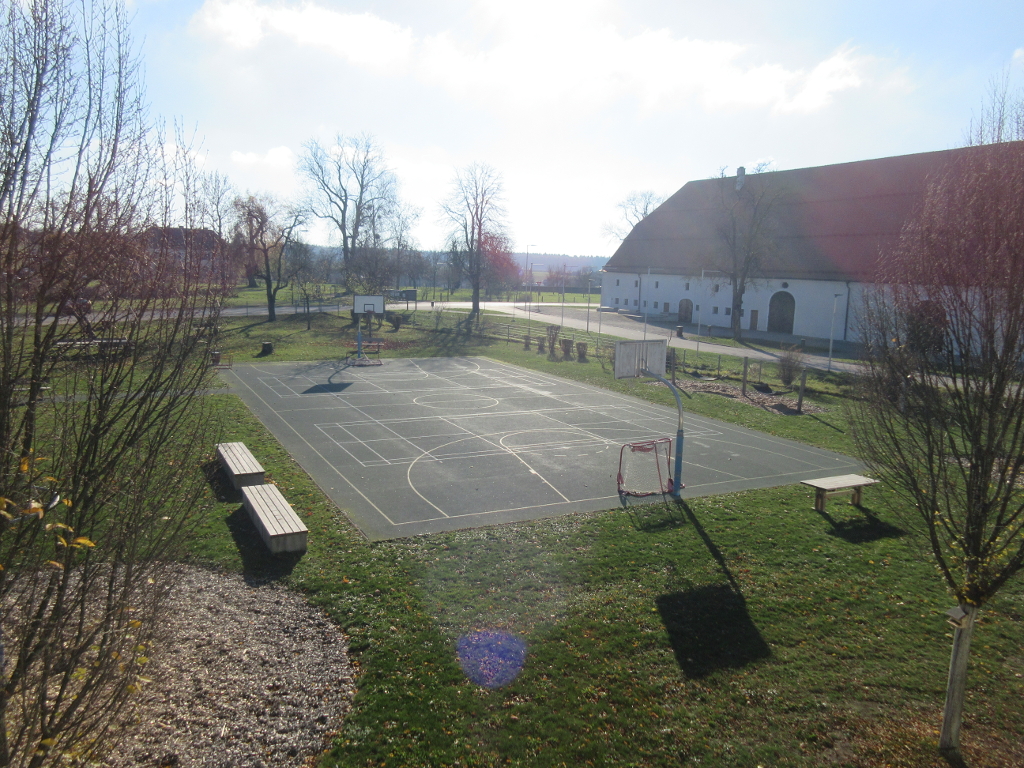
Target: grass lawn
[(737, 630)]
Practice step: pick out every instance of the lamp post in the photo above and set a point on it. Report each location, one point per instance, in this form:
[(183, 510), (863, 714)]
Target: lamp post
[(832, 328), (589, 281), (530, 295), (563, 294)]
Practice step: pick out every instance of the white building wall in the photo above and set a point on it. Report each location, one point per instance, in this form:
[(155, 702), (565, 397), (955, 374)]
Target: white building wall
[(815, 301)]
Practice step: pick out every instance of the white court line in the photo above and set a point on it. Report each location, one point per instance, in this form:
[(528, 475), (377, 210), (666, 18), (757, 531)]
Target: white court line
[(314, 450)]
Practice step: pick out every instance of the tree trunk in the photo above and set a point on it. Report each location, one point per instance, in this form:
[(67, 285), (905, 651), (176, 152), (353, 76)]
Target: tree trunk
[(271, 303), (952, 714)]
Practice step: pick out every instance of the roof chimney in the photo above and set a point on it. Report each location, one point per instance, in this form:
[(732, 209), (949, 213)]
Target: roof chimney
[(741, 174)]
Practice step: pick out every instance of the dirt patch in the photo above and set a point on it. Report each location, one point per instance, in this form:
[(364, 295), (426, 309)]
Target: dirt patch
[(781, 403)]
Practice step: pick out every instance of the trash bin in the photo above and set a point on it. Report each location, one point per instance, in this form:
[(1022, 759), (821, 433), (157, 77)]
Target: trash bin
[(679, 331), (268, 348), (214, 358)]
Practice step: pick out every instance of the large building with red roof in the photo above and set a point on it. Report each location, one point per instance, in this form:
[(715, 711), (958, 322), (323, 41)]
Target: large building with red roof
[(826, 228)]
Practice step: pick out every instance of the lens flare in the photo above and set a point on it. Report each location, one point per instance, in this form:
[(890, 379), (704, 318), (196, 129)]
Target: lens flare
[(491, 659)]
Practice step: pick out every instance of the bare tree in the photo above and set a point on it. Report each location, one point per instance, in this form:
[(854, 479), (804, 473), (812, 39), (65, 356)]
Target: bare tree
[(635, 208), (1001, 117), (102, 420), (217, 200), (474, 210), (312, 270), (266, 232), (942, 415), (747, 228), (351, 186)]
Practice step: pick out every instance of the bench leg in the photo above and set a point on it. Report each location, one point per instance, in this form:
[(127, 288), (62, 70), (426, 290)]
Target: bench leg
[(819, 500), (856, 495)]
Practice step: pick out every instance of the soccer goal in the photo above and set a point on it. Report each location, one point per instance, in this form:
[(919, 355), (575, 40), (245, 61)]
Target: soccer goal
[(644, 468)]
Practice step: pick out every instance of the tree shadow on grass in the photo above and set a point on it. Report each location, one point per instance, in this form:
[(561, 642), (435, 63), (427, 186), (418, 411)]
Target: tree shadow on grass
[(822, 421), (220, 483), (259, 566), (861, 530), (710, 629)]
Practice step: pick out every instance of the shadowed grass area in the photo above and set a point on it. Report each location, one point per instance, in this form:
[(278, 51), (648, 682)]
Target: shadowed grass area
[(737, 630)]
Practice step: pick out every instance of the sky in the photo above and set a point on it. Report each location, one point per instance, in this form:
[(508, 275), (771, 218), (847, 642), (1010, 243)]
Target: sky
[(576, 103)]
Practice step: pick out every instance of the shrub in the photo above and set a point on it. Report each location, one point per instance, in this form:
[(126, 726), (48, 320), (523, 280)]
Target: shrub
[(791, 361)]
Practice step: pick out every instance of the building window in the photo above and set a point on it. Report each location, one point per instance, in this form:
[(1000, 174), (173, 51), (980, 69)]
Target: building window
[(636, 302), (655, 305), (714, 288), (742, 311), (616, 282), (616, 301), (785, 285), (728, 310), (714, 310), (636, 283), (645, 305), (655, 285), (687, 287), (697, 307)]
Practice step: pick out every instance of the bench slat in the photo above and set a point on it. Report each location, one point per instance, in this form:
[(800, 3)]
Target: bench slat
[(279, 526), (240, 465)]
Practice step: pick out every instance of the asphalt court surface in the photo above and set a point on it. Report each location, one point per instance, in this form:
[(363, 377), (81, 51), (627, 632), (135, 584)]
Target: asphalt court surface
[(424, 445)]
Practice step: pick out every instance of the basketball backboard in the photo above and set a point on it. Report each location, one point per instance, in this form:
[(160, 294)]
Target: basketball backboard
[(363, 304), (639, 358)]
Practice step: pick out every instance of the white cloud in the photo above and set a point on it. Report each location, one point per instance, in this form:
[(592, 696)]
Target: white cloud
[(545, 56), (361, 38), (276, 159)]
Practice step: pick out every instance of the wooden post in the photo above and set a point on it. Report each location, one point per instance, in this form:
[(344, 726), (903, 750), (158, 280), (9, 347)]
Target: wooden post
[(672, 358), (952, 713), (684, 358), (746, 364), (719, 366), (800, 400)]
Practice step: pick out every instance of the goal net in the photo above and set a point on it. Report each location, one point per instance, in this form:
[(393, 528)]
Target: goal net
[(644, 468)]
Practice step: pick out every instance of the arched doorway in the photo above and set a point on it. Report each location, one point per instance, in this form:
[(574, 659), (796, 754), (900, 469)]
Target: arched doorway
[(685, 311), (781, 310)]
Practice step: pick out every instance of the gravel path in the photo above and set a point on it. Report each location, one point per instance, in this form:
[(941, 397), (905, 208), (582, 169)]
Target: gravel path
[(249, 677)]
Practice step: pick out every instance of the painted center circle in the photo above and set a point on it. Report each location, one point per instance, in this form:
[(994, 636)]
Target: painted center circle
[(461, 400)]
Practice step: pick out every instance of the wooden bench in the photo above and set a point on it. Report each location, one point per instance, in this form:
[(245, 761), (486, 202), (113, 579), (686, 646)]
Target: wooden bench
[(240, 465), (279, 526), (826, 487)]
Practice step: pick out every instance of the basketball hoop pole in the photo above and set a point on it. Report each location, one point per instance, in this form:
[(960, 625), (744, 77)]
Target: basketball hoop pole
[(677, 484)]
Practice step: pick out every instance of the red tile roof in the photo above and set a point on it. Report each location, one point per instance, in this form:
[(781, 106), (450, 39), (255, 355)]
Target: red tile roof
[(830, 222)]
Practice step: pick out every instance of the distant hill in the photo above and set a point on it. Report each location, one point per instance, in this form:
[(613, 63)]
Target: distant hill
[(552, 260)]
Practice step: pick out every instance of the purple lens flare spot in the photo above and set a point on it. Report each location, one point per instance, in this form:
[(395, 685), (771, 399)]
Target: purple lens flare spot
[(491, 659)]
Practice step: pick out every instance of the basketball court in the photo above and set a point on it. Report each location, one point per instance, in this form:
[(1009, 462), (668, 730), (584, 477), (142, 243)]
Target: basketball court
[(424, 445)]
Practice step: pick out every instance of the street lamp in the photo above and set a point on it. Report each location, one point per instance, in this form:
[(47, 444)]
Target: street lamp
[(832, 328), (563, 294), (529, 295), (589, 281)]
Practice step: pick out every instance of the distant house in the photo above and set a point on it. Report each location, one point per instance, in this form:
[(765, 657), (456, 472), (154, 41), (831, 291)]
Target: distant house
[(205, 243), (829, 226)]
